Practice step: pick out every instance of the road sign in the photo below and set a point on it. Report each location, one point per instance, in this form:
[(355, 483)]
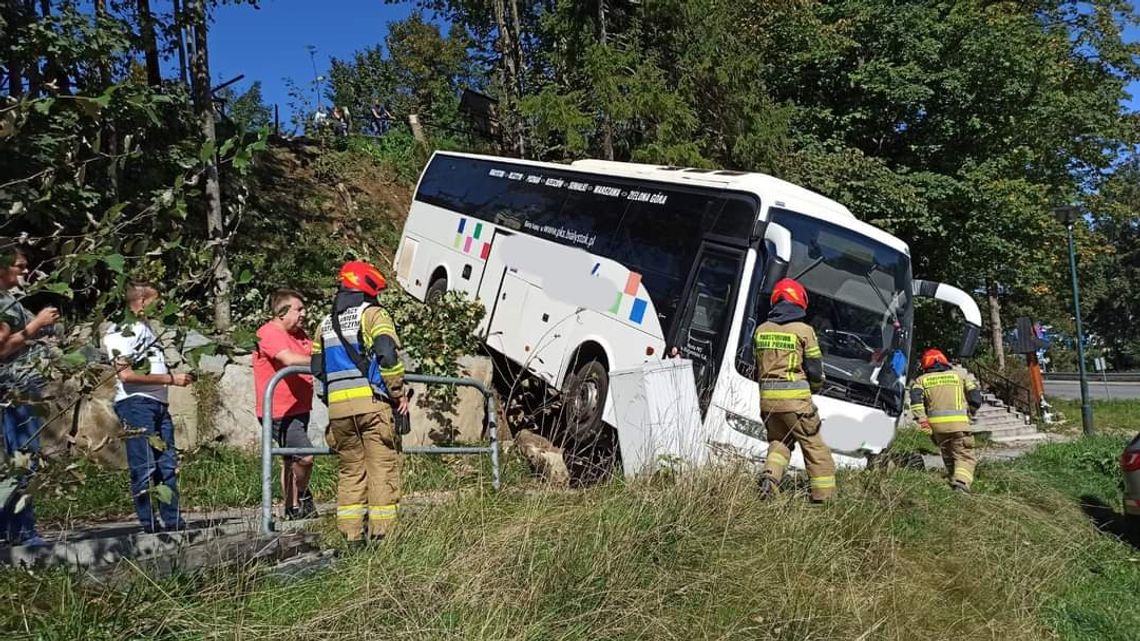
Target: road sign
[(1098, 363)]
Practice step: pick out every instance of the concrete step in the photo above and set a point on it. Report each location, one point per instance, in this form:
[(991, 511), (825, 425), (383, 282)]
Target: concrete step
[(987, 410), (100, 551), (1002, 422), (1007, 431), (1035, 437)]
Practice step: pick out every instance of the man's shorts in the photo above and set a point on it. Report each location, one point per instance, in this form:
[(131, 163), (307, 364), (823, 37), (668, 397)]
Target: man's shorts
[(292, 431)]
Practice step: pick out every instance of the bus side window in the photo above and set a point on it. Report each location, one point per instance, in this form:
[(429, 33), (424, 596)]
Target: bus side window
[(445, 183)]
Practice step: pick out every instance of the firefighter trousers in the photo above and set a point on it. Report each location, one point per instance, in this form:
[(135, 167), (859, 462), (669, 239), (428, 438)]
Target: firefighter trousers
[(958, 455), (368, 478), (785, 430)]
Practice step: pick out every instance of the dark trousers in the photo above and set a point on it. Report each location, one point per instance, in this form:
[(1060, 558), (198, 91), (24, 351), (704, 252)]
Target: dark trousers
[(20, 435), (145, 418)]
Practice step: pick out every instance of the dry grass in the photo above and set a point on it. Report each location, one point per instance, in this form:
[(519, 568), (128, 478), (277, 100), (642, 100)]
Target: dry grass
[(896, 557)]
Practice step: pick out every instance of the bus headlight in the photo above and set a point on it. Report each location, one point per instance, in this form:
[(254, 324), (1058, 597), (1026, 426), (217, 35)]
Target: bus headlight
[(746, 425)]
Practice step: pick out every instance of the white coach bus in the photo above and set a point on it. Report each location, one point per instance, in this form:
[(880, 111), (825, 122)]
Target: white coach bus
[(598, 266)]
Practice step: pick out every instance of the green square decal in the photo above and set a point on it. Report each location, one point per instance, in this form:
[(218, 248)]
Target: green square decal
[(617, 304)]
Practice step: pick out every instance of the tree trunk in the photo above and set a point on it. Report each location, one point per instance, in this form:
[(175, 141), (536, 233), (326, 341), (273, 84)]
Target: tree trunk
[(204, 110), (510, 60), (607, 124), (32, 70), (110, 136), (179, 26), (995, 325), (13, 23), (150, 44)]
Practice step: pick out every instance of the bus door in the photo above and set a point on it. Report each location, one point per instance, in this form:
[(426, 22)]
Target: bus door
[(702, 328), (490, 283)]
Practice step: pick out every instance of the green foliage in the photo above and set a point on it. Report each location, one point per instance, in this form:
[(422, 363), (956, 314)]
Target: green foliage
[(898, 555), (434, 337)]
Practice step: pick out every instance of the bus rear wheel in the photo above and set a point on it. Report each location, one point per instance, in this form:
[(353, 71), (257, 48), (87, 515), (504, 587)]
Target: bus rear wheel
[(584, 402)]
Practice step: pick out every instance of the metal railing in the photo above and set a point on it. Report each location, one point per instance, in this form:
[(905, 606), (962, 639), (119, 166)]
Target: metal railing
[(1008, 390), (268, 450)]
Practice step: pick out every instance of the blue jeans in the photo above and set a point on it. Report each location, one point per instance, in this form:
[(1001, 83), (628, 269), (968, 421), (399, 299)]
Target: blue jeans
[(20, 434), (145, 417)]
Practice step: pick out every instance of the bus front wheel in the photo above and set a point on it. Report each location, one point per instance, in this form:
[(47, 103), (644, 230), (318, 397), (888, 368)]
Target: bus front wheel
[(585, 402)]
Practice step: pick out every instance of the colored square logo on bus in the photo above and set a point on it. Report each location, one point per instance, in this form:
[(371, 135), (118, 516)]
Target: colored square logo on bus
[(637, 313), (466, 243), (632, 284)]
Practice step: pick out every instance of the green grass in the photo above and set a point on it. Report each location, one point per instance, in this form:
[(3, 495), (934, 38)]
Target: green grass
[(1117, 416), (897, 556), (223, 477)]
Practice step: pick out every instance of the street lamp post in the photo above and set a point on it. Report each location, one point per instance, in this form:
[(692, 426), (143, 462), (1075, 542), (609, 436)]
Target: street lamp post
[(1067, 215)]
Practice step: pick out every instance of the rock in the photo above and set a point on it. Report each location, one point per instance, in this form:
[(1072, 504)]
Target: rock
[(464, 422), (184, 412), (545, 459), (98, 435), (234, 419)]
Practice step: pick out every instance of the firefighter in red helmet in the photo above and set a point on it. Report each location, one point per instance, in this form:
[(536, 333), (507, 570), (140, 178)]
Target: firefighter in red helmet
[(362, 380), (942, 401), (789, 365)]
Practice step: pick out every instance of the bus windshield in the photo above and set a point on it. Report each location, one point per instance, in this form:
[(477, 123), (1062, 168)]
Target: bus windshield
[(859, 294)]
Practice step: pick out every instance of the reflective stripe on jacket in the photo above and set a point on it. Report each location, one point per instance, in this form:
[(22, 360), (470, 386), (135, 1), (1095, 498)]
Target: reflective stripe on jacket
[(347, 391), (940, 398)]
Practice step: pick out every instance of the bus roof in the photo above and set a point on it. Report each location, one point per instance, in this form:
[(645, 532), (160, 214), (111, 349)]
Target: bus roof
[(770, 189)]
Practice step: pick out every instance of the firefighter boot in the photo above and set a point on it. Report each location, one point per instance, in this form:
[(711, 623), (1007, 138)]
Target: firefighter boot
[(768, 486)]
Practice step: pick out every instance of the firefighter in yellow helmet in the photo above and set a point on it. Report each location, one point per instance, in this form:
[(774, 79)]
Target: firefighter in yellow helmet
[(942, 401), (362, 380), (789, 364)]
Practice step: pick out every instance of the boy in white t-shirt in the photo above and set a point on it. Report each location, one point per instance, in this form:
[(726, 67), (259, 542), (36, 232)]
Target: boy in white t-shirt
[(141, 404)]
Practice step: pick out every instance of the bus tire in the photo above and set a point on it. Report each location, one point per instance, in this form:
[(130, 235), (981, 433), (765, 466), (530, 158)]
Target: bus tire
[(585, 402), (435, 291)]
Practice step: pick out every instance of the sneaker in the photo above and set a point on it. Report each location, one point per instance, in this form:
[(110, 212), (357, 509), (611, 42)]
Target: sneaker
[(959, 486), (177, 527), (292, 514), (35, 541), (308, 508)]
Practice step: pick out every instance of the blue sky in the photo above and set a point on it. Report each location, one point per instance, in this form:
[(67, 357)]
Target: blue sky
[(270, 44)]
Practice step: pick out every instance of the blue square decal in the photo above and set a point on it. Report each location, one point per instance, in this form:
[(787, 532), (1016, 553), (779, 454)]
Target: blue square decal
[(637, 313)]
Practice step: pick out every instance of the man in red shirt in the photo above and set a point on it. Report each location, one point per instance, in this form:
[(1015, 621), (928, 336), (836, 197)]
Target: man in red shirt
[(282, 342)]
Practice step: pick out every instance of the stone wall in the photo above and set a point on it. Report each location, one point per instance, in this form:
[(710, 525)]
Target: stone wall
[(99, 433)]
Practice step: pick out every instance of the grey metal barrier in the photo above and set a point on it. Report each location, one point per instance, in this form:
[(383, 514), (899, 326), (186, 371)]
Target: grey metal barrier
[(268, 451)]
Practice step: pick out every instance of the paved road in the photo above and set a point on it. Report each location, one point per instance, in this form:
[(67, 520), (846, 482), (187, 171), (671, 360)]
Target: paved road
[(1071, 390)]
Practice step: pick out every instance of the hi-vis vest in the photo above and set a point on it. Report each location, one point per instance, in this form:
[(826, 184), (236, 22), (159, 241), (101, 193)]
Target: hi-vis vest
[(940, 397), (780, 351), (347, 391)]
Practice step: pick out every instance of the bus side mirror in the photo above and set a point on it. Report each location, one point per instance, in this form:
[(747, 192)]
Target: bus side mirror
[(969, 341), (964, 302), (779, 242)]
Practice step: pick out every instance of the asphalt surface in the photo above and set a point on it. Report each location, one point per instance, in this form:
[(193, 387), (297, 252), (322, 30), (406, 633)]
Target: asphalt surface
[(1071, 390)]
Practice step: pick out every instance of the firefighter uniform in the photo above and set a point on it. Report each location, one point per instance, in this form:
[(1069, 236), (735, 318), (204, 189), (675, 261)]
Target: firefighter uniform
[(789, 366), (942, 401), (361, 427)]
